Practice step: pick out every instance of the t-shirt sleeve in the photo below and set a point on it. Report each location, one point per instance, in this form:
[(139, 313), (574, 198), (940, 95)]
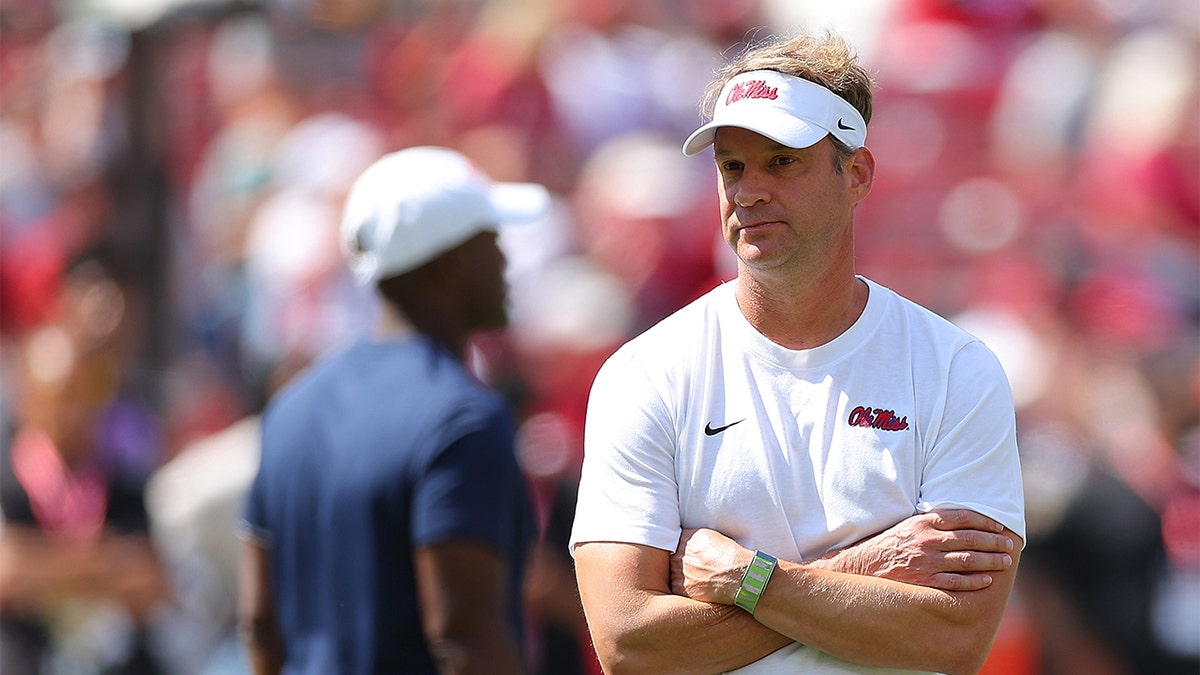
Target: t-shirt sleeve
[(973, 462), (628, 491), (471, 488), (252, 525)]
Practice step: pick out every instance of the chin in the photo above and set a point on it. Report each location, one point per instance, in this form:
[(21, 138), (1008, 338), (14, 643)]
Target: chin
[(753, 256)]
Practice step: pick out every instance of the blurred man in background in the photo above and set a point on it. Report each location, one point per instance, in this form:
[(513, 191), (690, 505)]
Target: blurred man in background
[(387, 527)]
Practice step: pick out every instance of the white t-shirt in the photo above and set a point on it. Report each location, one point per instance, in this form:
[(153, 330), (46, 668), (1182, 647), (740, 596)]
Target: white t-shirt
[(701, 421)]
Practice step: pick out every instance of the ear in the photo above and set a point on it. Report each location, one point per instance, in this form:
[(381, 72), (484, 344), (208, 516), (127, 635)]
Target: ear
[(860, 174), (443, 272)]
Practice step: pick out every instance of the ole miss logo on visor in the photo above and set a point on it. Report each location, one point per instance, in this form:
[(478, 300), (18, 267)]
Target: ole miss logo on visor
[(751, 89)]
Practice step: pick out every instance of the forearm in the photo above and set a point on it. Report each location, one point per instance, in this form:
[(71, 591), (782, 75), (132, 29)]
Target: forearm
[(257, 625), (664, 633), (877, 622), (461, 586), (637, 625)]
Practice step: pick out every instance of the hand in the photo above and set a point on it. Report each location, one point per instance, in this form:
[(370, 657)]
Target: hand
[(950, 550), (131, 573), (708, 566)]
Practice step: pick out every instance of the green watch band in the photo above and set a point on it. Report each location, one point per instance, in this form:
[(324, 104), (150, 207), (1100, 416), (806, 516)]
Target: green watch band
[(754, 581)]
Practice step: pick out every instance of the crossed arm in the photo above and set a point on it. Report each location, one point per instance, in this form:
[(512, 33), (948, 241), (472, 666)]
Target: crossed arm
[(949, 572)]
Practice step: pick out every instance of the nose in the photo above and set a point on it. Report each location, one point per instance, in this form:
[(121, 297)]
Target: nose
[(750, 190), (497, 251)]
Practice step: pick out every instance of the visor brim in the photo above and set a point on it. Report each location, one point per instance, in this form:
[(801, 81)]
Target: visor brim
[(781, 128)]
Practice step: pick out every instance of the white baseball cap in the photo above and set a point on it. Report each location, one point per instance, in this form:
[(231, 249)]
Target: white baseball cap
[(411, 206), (787, 109)]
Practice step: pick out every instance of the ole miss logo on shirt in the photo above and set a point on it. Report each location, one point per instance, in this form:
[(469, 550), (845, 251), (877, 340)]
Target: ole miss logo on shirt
[(873, 418)]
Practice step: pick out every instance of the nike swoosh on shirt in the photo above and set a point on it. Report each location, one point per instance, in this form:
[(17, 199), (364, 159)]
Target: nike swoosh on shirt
[(709, 430)]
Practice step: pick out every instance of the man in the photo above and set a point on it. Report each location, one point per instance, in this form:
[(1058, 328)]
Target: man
[(387, 524), (801, 472)]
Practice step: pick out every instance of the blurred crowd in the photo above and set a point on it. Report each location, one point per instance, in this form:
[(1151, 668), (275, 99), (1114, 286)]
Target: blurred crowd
[(170, 189)]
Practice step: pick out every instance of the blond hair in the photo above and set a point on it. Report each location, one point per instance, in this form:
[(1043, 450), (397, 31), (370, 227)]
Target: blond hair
[(826, 59)]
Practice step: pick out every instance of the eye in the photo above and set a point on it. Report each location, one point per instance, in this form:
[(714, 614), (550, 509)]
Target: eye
[(784, 160), (730, 166)]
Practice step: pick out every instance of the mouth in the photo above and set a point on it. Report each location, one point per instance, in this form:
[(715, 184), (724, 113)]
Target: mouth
[(755, 225)]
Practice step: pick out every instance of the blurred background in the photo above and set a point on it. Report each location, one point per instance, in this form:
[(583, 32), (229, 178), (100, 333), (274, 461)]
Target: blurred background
[(171, 175)]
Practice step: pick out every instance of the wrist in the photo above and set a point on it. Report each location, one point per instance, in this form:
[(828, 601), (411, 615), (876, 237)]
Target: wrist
[(754, 581), (846, 561)]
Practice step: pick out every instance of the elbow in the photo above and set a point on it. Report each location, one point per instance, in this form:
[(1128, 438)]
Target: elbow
[(474, 644), (620, 662), (615, 657), (257, 632), (965, 653), (966, 664), (963, 642), (618, 652), (250, 633), (626, 653), (971, 661)]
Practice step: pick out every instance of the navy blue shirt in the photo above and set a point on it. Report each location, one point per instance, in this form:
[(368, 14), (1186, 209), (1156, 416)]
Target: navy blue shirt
[(378, 450)]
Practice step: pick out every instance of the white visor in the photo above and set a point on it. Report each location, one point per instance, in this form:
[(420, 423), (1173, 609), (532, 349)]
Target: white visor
[(786, 109)]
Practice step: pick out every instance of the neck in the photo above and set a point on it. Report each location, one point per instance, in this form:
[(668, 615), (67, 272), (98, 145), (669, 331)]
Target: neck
[(417, 318), (799, 315)]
